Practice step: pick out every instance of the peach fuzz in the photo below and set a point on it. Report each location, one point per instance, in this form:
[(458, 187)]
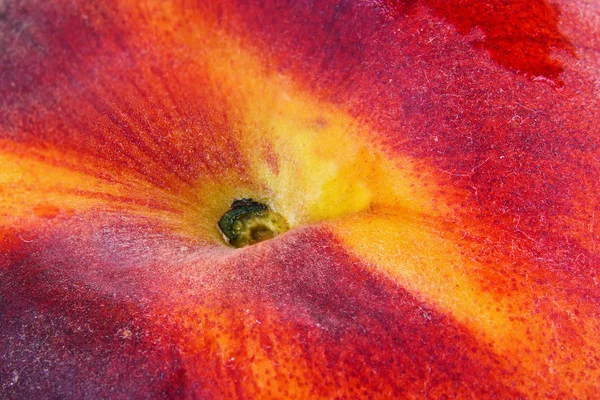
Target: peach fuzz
[(437, 165)]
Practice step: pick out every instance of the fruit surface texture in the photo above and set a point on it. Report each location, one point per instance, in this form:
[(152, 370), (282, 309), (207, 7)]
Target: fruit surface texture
[(419, 181)]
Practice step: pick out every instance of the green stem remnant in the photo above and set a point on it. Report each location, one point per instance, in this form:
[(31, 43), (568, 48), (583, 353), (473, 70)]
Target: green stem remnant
[(248, 222)]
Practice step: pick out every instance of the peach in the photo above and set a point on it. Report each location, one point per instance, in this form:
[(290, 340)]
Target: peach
[(424, 184)]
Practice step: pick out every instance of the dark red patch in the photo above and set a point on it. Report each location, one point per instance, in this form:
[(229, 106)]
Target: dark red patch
[(11, 240), (270, 157), (46, 211), (61, 339)]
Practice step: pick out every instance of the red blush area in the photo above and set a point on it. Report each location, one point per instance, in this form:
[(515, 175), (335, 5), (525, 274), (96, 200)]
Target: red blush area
[(122, 105), (519, 35)]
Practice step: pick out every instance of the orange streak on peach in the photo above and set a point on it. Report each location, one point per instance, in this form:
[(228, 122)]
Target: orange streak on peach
[(34, 189)]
